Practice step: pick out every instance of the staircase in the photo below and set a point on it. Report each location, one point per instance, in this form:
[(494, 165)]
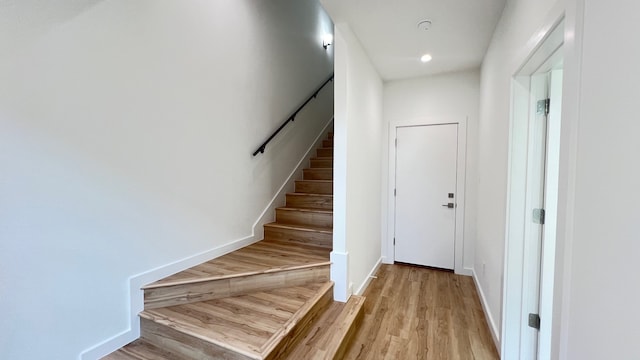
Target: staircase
[(270, 300)]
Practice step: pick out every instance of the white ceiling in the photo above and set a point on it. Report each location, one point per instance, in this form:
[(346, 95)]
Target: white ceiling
[(388, 31)]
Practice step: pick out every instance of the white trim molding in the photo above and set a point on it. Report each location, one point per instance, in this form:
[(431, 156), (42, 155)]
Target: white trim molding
[(517, 291), (340, 272), (493, 328), (371, 276)]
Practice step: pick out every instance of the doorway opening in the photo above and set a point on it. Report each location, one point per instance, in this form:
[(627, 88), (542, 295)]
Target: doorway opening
[(534, 148)]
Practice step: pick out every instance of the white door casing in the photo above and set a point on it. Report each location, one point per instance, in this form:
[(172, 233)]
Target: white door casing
[(426, 164), (536, 164), (533, 183)]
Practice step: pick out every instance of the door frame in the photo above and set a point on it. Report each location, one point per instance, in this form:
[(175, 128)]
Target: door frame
[(549, 43), (459, 244)]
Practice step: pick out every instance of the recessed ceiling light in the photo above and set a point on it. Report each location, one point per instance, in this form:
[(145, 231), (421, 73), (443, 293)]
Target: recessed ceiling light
[(426, 58)]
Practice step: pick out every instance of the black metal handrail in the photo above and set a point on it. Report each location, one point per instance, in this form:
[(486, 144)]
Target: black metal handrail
[(292, 117)]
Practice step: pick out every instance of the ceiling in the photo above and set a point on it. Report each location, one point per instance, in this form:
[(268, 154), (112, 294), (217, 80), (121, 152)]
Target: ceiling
[(388, 30)]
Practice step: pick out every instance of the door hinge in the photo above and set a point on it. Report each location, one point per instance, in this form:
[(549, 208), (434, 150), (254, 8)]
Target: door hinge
[(396, 142), (543, 107), (534, 321), (538, 216), (394, 192), (394, 241)]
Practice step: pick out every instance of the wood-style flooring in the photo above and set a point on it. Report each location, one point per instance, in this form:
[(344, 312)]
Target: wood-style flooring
[(413, 312)]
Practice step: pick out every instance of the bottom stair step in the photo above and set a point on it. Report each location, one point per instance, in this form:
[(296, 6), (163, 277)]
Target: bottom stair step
[(331, 334), (140, 350), (260, 325)]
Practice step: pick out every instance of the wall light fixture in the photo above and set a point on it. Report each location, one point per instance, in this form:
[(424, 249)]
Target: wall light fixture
[(327, 40)]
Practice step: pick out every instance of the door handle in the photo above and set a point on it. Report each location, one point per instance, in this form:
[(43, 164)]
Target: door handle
[(449, 205)]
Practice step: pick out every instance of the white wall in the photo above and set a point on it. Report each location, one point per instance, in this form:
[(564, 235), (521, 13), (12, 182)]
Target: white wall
[(126, 135), (518, 24), (596, 304), (602, 292), (357, 171), (452, 97)]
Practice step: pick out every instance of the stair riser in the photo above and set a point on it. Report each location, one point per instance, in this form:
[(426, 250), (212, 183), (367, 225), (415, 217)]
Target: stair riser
[(318, 174), (215, 289), (314, 187), (186, 346), (301, 328), (325, 152), (310, 201), (323, 220), (327, 143), (300, 236), (351, 334), (321, 163)]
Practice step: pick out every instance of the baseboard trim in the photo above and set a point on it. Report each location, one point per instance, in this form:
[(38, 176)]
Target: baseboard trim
[(466, 272), (370, 277), (136, 295), (108, 346), (483, 300)]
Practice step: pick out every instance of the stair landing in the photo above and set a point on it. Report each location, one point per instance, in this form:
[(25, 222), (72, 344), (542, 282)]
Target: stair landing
[(261, 257), (253, 326), (259, 325)]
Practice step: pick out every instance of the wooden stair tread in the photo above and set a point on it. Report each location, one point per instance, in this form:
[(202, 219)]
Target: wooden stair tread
[(300, 227), (330, 335), (140, 350), (317, 181), (310, 194), (261, 257), (324, 211), (251, 325)]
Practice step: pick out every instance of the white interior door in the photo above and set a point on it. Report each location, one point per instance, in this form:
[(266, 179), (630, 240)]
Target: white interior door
[(426, 163)]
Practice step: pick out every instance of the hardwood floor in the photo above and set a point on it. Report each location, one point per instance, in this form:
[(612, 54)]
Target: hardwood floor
[(413, 312)]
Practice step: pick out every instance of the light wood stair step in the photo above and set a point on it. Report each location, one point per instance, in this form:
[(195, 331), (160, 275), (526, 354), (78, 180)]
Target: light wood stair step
[(264, 265), (261, 325), (310, 201), (324, 152), (321, 162), (327, 143), (318, 218), (314, 186), (140, 350), (318, 174), (299, 234), (331, 335)]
